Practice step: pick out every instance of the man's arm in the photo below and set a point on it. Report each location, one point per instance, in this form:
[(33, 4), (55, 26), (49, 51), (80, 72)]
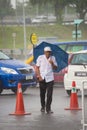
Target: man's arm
[(38, 73), (53, 62), (38, 69), (53, 65)]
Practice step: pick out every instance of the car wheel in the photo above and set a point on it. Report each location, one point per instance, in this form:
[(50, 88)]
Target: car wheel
[(24, 89), (15, 89), (1, 89)]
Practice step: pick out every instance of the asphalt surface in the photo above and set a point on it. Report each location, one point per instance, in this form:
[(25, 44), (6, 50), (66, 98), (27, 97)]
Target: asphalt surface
[(61, 119)]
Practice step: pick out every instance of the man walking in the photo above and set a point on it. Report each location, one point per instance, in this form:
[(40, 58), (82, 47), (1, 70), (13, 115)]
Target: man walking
[(45, 65)]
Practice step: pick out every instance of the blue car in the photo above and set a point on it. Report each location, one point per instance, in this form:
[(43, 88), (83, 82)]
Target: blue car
[(13, 71)]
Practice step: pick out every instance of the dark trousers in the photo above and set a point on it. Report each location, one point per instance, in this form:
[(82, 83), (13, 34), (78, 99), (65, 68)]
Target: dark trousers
[(46, 88)]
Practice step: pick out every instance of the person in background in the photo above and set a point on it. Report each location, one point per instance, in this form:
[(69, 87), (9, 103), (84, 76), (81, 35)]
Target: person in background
[(45, 65)]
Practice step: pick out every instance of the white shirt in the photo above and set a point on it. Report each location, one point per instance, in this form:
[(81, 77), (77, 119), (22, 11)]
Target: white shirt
[(46, 70)]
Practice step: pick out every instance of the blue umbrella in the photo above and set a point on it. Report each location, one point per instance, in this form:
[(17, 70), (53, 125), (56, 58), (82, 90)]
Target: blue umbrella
[(60, 55)]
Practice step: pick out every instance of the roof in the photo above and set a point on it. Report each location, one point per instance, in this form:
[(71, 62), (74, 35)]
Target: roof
[(71, 42), (82, 51)]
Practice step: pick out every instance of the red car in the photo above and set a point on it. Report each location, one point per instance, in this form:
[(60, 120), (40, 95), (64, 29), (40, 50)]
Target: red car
[(59, 76)]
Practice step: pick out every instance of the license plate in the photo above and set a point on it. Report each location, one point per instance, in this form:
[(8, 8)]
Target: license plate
[(81, 74), (29, 77)]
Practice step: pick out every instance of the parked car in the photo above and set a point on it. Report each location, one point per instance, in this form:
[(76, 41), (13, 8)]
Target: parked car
[(13, 71), (76, 71), (69, 47), (39, 19), (51, 19), (44, 19), (27, 21), (59, 76)]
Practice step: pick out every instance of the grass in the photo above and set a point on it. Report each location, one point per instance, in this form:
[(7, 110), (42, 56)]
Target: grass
[(62, 32)]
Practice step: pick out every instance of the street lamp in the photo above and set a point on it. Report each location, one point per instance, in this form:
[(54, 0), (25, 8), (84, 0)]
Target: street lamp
[(24, 27)]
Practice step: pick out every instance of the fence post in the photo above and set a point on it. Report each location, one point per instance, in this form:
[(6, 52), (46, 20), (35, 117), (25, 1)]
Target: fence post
[(83, 107)]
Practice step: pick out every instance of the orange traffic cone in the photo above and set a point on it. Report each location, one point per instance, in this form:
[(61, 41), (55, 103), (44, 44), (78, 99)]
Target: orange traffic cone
[(19, 110), (73, 99)]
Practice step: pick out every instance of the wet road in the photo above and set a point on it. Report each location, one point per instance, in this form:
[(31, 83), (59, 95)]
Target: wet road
[(60, 120)]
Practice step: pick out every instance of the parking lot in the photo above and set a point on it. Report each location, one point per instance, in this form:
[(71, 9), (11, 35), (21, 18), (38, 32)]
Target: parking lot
[(61, 119)]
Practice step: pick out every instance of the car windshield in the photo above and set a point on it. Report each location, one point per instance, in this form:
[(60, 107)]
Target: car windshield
[(3, 56), (80, 58)]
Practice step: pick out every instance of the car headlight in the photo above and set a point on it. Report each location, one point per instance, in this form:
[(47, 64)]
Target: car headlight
[(8, 70)]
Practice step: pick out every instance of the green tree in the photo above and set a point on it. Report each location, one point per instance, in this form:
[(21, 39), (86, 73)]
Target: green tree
[(19, 8), (37, 5), (81, 7), (28, 8), (5, 8), (59, 6)]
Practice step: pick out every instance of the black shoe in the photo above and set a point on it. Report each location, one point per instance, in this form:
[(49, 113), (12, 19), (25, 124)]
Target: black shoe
[(42, 109), (50, 112)]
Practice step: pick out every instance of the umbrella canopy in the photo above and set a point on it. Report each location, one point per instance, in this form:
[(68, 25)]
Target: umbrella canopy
[(60, 55)]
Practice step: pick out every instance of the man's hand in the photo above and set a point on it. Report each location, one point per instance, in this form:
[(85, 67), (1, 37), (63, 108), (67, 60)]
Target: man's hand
[(39, 78), (53, 65), (51, 62), (38, 74)]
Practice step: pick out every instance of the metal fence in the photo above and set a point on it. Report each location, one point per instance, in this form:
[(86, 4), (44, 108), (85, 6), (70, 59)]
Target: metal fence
[(83, 121)]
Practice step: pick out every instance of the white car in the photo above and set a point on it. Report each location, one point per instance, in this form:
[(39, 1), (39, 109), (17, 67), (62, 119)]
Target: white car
[(76, 71), (39, 19)]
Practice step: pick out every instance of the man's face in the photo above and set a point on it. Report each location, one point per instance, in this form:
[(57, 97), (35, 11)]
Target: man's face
[(47, 53)]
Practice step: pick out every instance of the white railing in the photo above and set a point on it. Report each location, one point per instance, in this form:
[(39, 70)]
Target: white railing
[(84, 125)]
